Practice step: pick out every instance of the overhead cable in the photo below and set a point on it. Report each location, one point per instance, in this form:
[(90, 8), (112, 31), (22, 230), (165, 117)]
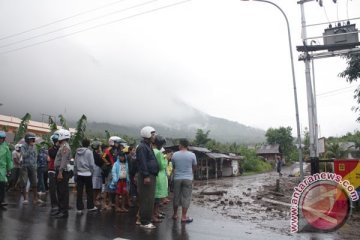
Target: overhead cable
[(60, 20), (76, 24), (97, 26)]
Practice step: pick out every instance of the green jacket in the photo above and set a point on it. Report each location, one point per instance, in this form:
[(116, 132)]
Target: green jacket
[(6, 163), (161, 189)]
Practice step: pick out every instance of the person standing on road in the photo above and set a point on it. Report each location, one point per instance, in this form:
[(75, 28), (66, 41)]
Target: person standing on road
[(6, 165), (52, 151), (29, 168), (41, 169), (83, 169), (97, 175), (184, 163), (15, 172), (133, 169), (120, 182), (161, 189), (148, 169), (109, 157), (62, 160), (278, 165)]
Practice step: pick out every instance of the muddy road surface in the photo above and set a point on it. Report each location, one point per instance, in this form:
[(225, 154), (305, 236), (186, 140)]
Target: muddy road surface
[(257, 200)]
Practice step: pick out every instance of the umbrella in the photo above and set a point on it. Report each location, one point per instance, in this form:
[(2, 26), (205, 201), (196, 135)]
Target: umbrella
[(37, 140)]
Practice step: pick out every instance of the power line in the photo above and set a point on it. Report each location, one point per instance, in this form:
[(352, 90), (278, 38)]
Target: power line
[(97, 26), (61, 20), (76, 24), (336, 91)]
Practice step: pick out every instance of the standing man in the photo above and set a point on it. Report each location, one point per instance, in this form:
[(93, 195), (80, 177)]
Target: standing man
[(28, 169), (5, 167), (51, 172), (148, 169), (62, 160), (184, 163)]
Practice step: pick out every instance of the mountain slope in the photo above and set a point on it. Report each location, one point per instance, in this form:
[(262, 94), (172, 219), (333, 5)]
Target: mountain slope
[(221, 130)]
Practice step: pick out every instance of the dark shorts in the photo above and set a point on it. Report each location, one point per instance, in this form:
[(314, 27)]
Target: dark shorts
[(28, 173), (121, 187)]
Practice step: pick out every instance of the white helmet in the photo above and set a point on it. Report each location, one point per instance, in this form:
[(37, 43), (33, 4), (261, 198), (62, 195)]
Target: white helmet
[(114, 139), (63, 134), (17, 147), (146, 132)]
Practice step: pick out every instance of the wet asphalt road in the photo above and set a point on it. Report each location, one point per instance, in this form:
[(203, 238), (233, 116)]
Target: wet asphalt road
[(23, 222)]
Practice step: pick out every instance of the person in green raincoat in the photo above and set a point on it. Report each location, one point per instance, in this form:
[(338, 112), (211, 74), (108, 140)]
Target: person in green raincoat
[(6, 165), (161, 189)]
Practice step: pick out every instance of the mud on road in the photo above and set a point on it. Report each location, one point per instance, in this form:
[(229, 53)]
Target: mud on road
[(255, 199)]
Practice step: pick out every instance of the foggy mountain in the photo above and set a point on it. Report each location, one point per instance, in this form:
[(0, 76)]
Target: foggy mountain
[(176, 126), (221, 130)]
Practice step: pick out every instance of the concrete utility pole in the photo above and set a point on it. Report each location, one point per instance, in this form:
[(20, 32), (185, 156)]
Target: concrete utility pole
[(314, 158), (294, 86)]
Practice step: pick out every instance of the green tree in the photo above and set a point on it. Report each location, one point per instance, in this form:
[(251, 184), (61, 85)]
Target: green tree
[(252, 162), (283, 137), (107, 134), (52, 125), (351, 74), (130, 140), (79, 134), (20, 133), (63, 122), (201, 137), (306, 140), (334, 150)]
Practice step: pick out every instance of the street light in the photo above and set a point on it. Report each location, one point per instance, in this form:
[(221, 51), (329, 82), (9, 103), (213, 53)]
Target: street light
[(294, 84)]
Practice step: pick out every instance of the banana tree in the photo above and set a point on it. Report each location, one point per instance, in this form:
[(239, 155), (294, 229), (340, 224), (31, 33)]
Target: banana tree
[(20, 133), (79, 134)]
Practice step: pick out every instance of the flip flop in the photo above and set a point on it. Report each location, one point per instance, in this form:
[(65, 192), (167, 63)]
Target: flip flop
[(187, 220), (156, 220)]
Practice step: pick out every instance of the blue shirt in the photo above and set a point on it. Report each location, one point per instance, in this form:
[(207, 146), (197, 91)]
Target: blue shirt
[(183, 162)]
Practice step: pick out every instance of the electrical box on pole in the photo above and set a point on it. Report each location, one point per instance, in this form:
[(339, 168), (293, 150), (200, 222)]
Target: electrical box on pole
[(341, 37)]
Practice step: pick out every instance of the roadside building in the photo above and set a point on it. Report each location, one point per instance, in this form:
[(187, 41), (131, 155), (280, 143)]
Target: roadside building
[(11, 124), (269, 152)]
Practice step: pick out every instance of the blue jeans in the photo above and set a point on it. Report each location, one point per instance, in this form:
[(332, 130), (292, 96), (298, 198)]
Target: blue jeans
[(40, 177)]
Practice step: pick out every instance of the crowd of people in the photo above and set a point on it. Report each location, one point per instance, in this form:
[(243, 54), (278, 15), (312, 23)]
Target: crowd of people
[(115, 176)]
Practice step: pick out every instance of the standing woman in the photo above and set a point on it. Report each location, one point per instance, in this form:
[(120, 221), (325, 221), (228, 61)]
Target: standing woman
[(6, 165), (161, 189)]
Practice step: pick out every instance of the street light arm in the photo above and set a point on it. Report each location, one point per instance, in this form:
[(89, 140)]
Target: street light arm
[(294, 83)]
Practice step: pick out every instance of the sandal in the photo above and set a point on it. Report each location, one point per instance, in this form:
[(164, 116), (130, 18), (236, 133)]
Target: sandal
[(175, 217), (124, 210), (119, 210), (187, 220), (156, 220)]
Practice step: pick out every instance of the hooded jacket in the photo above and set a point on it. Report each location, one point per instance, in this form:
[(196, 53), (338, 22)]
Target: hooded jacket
[(84, 162), (6, 163), (28, 155)]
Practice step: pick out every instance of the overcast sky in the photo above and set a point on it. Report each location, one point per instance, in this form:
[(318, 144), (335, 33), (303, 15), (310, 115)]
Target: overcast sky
[(130, 63)]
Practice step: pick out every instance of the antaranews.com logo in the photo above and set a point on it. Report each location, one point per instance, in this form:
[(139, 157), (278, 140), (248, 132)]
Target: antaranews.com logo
[(321, 202)]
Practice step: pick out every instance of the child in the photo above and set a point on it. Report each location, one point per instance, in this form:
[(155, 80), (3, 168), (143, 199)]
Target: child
[(120, 181)]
